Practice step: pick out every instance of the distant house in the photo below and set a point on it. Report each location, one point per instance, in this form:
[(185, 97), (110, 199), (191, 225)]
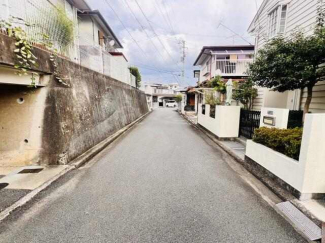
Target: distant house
[(158, 94), (226, 61), (283, 17)]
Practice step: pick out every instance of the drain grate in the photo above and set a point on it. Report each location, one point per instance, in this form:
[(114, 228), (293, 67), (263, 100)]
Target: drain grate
[(3, 185), (30, 171), (300, 221)]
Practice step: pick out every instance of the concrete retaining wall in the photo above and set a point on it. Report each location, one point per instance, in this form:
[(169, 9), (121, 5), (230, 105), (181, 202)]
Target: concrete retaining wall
[(56, 123)]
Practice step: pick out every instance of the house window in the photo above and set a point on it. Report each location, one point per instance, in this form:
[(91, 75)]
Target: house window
[(101, 38), (273, 19), (283, 19), (208, 66)]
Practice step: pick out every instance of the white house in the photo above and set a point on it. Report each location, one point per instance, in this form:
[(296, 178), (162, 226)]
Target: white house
[(226, 61), (276, 17), (158, 94)]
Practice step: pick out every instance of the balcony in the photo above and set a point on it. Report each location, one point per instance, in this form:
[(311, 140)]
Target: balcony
[(232, 68)]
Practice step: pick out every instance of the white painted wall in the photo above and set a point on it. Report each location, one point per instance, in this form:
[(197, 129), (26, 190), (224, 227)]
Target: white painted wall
[(305, 175), (226, 123), (301, 14), (280, 117)]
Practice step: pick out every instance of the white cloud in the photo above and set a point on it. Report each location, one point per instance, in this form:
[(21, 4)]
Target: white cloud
[(195, 21)]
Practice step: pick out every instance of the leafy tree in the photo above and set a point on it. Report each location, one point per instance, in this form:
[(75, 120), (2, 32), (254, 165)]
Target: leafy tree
[(135, 72), (179, 98), (211, 100), (292, 63), (245, 93), (218, 85)]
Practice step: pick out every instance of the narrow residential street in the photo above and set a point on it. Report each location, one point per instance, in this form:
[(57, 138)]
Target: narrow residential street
[(162, 182)]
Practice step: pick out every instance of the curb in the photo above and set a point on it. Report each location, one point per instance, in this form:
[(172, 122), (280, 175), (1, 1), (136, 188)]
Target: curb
[(74, 164)]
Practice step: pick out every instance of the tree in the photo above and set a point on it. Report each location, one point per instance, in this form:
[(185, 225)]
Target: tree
[(179, 98), (218, 85), (292, 63), (135, 72), (245, 93)]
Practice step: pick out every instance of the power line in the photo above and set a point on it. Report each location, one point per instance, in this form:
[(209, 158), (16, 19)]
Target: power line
[(143, 28), (168, 18), (162, 14), (153, 30), (125, 27), (235, 33)]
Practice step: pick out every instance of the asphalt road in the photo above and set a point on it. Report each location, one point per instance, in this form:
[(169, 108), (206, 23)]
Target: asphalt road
[(162, 182)]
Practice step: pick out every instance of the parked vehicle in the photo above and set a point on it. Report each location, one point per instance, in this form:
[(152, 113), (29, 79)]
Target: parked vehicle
[(171, 103)]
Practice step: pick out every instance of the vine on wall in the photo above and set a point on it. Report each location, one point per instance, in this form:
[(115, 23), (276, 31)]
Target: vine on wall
[(25, 59)]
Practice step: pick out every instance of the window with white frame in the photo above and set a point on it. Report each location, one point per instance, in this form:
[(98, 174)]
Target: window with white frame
[(283, 18), (208, 66), (273, 20), (277, 20)]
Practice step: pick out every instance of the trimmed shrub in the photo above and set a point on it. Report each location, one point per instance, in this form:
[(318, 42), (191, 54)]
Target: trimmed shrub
[(285, 141)]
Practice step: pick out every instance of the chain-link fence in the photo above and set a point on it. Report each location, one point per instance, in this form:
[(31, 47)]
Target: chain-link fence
[(56, 21)]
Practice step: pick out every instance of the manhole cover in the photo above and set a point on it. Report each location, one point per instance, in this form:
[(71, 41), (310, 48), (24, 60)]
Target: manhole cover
[(30, 170), (3, 185)]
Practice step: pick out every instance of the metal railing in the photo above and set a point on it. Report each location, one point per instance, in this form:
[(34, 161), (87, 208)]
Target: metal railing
[(236, 67)]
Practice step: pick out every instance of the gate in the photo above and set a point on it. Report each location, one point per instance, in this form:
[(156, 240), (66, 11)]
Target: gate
[(249, 121), (295, 119)]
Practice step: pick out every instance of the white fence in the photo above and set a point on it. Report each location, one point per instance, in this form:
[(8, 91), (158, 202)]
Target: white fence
[(236, 67), (40, 17)]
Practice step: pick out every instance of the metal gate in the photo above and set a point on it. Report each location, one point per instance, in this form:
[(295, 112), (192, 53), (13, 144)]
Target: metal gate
[(249, 121), (295, 119)]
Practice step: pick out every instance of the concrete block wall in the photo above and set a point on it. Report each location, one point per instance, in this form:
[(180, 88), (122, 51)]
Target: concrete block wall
[(56, 123)]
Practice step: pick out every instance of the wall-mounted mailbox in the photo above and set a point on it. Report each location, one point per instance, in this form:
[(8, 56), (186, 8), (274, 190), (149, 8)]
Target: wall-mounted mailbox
[(274, 117), (268, 120)]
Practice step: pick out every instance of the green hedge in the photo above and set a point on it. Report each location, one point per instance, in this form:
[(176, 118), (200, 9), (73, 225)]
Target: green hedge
[(285, 141)]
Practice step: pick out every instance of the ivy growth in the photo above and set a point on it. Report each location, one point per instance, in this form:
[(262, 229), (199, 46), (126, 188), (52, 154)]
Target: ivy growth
[(25, 59)]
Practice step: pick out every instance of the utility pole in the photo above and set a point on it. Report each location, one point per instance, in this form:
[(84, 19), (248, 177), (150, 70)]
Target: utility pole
[(183, 44)]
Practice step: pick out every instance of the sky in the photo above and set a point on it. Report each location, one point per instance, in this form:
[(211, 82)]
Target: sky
[(152, 32)]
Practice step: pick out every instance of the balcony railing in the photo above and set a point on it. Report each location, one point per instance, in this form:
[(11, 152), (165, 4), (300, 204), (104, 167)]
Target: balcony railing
[(230, 67)]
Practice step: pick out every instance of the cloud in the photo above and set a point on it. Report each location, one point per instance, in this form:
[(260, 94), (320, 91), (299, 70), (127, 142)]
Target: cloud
[(157, 49)]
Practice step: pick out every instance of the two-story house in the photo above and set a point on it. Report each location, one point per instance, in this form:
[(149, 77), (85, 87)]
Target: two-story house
[(229, 62), (283, 17), (225, 61)]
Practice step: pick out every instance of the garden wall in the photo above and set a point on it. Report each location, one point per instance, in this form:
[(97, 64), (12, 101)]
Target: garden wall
[(226, 121), (305, 175)]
